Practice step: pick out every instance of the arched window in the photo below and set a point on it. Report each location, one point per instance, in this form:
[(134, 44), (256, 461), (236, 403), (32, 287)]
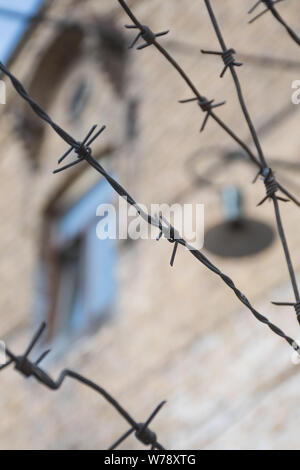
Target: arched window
[(76, 280)]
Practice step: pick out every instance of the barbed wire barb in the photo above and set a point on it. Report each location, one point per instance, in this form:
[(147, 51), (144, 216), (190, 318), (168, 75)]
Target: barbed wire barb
[(206, 105), (82, 149), (147, 34), (228, 59), (271, 187)]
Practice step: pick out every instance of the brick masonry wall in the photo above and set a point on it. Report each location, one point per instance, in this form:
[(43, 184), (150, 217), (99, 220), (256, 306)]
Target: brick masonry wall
[(177, 334)]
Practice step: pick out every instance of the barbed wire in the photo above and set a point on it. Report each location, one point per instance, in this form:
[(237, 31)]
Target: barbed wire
[(29, 369), (270, 6), (262, 60), (207, 106), (266, 173), (83, 152), (89, 27)]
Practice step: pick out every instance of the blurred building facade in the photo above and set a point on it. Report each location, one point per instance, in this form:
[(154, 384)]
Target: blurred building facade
[(116, 311)]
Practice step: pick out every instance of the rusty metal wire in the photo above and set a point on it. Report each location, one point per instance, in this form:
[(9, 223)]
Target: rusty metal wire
[(28, 369), (270, 6)]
